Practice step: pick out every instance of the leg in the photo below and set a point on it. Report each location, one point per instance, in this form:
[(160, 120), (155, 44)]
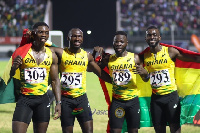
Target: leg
[(67, 118), (173, 113), (133, 115), (87, 127), (84, 114), (116, 118), (40, 127), (157, 113), (132, 130), (41, 114), (115, 130), (175, 128), (19, 127), (22, 115), (67, 129)]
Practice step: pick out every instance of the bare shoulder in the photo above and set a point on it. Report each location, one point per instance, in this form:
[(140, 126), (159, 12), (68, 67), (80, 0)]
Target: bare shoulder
[(136, 58), (55, 49), (173, 52), (172, 49)]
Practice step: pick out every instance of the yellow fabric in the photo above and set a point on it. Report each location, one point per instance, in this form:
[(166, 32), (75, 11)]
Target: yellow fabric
[(29, 62), (74, 67), (162, 62), (187, 80), (124, 80)]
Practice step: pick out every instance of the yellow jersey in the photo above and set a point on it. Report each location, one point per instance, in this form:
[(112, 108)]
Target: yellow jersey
[(123, 77), (73, 68), (161, 69), (34, 77)]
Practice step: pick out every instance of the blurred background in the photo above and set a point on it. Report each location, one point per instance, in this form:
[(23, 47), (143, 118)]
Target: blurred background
[(177, 20)]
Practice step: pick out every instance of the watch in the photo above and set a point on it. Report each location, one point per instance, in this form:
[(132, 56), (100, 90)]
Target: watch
[(58, 102)]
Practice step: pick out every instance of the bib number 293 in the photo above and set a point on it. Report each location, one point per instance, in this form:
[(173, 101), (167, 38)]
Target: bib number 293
[(160, 78)]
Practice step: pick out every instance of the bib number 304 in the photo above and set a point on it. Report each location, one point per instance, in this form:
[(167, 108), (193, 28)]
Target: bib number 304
[(34, 75), (160, 78)]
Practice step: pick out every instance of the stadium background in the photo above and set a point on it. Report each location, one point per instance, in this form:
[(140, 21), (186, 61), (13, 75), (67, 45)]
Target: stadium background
[(176, 19)]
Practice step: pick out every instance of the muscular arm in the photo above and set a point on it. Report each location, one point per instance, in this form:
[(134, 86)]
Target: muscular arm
[(140, 69), (55, 84), (174, 53), (58, 52), (97, 70), (16, 63)]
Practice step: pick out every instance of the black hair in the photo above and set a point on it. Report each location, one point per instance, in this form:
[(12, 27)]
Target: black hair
[(120, 33), (70, 32), (152, 27), (35, 26)]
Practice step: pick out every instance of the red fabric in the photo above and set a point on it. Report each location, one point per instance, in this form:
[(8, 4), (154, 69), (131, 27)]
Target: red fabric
[(24, 39), (22, 51), (180, 63)]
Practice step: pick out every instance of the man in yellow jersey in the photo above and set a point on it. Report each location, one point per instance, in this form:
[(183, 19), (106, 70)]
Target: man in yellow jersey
[(35, 68), (159, 61), (125, 101), (74, 62)]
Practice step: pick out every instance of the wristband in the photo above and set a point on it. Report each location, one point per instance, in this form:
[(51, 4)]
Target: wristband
[(58, 102), (147, 77)]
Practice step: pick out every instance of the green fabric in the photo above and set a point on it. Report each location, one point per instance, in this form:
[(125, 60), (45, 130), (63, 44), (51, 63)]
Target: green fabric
[(190, 105), (9, 94)]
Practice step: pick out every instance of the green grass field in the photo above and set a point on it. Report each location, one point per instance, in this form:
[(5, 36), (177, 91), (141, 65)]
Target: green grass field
[(98, 106)]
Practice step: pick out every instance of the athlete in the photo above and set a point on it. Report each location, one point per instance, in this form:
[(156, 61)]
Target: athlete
[(125, 101), (159, 61), (74, 62), (35, 68)]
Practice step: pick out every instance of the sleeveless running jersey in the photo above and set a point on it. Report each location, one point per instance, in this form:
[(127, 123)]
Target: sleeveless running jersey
[(161, 69), (123, 77), (34, 77), (73, 68)]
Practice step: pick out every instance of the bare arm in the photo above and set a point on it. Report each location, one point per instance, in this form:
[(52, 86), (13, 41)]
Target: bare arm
[(16, 63), (58, 52), (97, 70), (140, 69), (55, 82), (174, 53), (96, 50)]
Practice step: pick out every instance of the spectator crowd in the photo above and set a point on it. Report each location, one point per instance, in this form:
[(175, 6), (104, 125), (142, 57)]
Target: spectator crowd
[(180, 16), (16, 15)]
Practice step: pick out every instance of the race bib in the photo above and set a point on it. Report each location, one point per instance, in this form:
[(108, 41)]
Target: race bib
[(160, 78), (71, 80), (121, 76), (34, 75)]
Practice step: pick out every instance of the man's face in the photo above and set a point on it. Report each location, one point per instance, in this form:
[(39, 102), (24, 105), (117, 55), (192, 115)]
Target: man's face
[(119, 44), (76, 38), (152, 37), (41, 34)]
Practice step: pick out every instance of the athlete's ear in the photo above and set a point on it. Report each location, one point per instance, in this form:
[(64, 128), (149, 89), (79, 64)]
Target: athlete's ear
[(68, 38), (159, 38)]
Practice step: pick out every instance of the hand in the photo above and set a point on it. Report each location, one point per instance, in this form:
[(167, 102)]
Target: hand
[(17, 62), (140, 70), (99, 50), (57, 111)]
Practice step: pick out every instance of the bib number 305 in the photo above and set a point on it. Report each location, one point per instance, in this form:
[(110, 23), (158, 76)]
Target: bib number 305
[(34, 75), (71, 80), (160, 78)]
